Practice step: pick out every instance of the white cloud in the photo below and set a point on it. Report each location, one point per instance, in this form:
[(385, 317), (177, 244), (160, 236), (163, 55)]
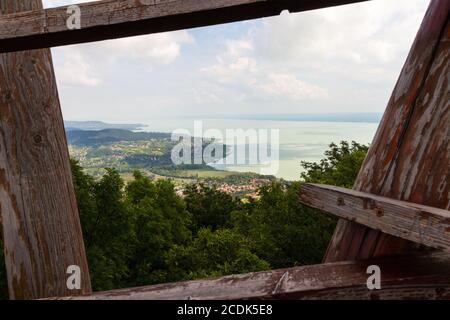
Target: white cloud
[(85, 65), (233, 62), (349, 40), (322, 56), (153, 50), (236, 48), (236, 66), (75, 70), (289, 86), (345, 58), (230, 71)]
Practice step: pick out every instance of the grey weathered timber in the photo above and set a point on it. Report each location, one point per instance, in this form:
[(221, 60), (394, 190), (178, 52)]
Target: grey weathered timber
[(409, 158), (410, 277), (422, 224), (41, 227), (110, 19)]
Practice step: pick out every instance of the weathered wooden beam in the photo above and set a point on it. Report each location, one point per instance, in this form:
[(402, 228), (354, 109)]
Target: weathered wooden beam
[(416, 277), (421, 224), (41, 227), (409, 158), (110, 19)]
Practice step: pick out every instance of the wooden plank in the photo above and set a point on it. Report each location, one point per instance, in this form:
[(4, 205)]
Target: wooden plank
[(421, 224), (41, 227), (409, 158), (112, 19), (419, 277)]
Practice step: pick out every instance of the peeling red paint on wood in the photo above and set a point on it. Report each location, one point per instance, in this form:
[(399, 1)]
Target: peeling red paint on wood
[(409, 158), (111, 19), (421, 224), (42, 232), (41, 227), (409, 277)]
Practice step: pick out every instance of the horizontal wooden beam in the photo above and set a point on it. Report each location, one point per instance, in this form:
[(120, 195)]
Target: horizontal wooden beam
[(418, 223), (408, 277), (110, 19), (409, 158)]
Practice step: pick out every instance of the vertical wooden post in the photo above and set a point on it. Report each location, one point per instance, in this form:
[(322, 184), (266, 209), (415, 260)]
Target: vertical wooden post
[(409, 158), (41, 227)]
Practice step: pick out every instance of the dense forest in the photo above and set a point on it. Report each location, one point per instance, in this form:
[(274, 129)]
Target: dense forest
[(142, 232)]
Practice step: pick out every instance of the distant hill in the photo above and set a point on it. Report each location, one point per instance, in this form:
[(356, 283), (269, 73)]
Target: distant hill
[(96, 137), (99, 125)]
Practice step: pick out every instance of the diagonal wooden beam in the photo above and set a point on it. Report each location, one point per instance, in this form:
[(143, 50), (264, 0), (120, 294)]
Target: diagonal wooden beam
[(112, 19), (41, 227), (409, 158), (409, 277), (421, 224)]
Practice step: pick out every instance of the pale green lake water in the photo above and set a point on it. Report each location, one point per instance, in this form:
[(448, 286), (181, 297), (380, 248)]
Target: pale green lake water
[(299, 140)]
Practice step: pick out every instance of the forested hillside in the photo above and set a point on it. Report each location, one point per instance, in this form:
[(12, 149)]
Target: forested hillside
[(142, 232), (100, 137)]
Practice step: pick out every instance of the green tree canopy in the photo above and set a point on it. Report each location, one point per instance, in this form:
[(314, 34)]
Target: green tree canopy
[(214, 253), (161, 223), (285, 232), (208, 206), (340, 167), (142, 232)]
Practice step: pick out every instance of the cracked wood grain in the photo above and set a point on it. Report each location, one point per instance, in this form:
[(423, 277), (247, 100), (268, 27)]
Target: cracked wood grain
[(418, 223), (41, 227), (409, 277), (111, 19), (409, 158)]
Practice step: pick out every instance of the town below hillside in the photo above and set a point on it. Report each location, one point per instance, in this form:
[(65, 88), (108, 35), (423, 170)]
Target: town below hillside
[(104, 146)]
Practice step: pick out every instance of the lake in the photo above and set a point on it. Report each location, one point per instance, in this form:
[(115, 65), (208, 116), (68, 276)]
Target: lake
[(298, 140)]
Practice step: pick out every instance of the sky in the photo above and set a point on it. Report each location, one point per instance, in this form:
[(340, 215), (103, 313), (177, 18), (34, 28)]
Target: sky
[(342, 59)]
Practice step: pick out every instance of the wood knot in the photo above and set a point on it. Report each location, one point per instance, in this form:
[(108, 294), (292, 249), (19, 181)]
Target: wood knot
[(374, 296), (425, 215), (47, 107), (340, 201), (379, 212), (440, 292), (37, 138), (8, 95)]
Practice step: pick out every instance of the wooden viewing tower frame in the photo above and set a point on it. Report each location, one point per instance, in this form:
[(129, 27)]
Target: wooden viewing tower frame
[(397, 215)]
